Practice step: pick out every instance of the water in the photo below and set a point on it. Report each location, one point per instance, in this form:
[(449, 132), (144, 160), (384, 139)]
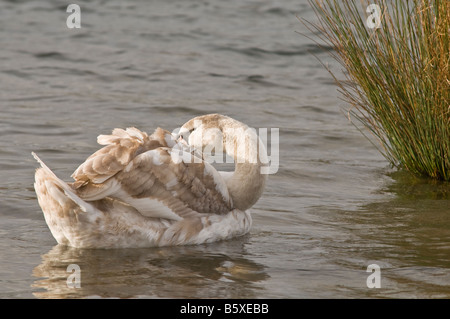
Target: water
[(333, 208)]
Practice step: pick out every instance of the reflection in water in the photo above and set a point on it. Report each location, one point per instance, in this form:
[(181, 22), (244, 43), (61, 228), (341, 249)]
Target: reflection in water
[(408, 236), (218, 270), (408, 186)]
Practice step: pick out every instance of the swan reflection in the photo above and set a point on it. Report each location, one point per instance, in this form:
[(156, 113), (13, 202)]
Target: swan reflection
[(218, 270)]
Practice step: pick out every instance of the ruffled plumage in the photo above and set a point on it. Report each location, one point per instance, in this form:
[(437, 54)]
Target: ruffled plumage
[(140, 191)]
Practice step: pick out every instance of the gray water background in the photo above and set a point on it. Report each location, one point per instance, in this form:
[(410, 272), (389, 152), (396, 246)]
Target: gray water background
[(333, 208)]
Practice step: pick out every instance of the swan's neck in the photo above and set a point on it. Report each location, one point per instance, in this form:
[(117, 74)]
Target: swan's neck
[(246, 184)]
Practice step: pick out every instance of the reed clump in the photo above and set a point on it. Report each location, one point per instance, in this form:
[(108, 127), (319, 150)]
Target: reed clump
[(396, 78)]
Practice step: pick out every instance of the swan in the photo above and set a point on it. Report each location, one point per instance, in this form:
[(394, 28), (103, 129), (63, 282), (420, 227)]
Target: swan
[(155, 190)]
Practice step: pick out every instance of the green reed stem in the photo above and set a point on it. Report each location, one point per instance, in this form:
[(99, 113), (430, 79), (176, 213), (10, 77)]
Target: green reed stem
[(396, 76)]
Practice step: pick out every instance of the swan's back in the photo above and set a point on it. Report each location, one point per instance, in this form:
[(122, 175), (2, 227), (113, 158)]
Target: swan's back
[(120, 148), (155, 174)]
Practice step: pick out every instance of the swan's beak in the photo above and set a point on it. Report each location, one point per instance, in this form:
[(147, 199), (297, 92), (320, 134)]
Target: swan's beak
[(181, 140), (179, 137)]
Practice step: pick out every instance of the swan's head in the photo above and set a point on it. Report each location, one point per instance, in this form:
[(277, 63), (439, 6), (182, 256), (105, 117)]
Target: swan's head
[(216, 134), (205, 132)]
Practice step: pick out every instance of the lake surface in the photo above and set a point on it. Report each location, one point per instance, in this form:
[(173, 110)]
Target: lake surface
[(333, 208)]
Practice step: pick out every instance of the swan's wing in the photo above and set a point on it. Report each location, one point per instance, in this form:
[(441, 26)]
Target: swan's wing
[(120, 148), (167, 183)]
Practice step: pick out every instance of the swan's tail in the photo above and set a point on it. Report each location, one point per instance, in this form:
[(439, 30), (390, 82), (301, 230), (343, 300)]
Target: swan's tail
[(63, 209), (105, 223)]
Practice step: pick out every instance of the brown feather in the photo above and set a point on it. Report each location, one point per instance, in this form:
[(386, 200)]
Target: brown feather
[(125, 169)]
